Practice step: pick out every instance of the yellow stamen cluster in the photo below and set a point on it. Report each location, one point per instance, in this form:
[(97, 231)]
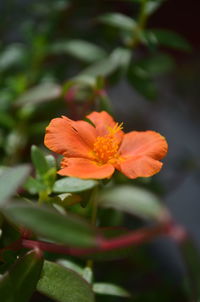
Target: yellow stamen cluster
[(115, 129), (106, 147)]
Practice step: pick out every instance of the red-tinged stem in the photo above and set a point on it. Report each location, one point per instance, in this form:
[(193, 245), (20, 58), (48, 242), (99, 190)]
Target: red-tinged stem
[(102, 244), (56, 248), (135, 238)]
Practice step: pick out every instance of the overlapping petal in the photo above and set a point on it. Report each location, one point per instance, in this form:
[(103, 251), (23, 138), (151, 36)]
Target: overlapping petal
[(70, 138), (144, 143), (142, 166), (86, 169), (102, 122)]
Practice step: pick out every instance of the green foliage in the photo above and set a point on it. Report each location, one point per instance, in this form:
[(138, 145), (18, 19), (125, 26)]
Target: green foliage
[(71, 185), (39, 161), (10, 180), (167, 38), (133, 200), (44, 92), (110, 289), (46, 222), (19, 283), (80, 49), (118, 20), (64, 285)]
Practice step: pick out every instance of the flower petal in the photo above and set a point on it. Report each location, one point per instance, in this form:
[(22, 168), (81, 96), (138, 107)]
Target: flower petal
[(144, 143), (84, 168), (103, 121), (143, 166), (70, 138)]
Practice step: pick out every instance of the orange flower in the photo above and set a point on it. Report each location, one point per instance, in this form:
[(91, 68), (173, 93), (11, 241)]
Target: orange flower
[(96, 150)]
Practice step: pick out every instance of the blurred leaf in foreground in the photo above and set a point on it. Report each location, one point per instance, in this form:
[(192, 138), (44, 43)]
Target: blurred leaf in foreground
[(11, 179), (133, 200), (168, 38), (19, 283), (46, 222), (80, 49)]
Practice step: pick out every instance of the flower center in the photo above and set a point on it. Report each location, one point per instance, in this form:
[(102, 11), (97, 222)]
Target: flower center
[(106, 147)]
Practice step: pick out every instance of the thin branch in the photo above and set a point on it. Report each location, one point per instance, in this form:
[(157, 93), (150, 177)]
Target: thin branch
[(102, 244)]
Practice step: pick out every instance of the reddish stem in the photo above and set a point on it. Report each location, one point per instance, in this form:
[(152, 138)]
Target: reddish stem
[(56, 248), (135, 238), (103, 244)]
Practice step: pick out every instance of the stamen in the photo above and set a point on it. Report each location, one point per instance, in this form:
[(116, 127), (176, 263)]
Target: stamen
[(116, 128), (106, 147)]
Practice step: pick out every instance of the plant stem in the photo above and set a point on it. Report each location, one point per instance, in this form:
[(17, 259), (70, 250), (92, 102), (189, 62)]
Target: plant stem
[(43, 195), (142, 20), (134, 238), (93, 218)]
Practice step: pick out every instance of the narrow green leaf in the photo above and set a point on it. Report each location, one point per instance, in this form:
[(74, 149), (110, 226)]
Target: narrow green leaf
[(12, 55), (46, 222), (152, 6), (51, 161), (71, 184), (142, 82), (42, 93), (19, 283), (167, 38), (39, 160), (87, 274), (80, 49), (64, 285), (10, 180), (133, 200), (118, 20), (118, 59), (156, 64), (70, 265), (110, 289), (34, 185)]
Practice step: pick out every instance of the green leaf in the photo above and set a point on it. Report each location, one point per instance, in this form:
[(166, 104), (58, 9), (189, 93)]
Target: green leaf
[(39, 160), (63, 285), (133, 200), (34, 186), (167, 38), (6, 120), (80, 49), (142, 82), (87, 274), (19, 283), (12, 55), (10, 180), (70, 265), (110, 289), (51, 161), (42, 93), (152, 6), (46, 222), (155, 65), (71, 184), (119, 58), (118, 20)]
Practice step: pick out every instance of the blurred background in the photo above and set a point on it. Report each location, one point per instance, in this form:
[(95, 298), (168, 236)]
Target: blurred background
[(72, 57)]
